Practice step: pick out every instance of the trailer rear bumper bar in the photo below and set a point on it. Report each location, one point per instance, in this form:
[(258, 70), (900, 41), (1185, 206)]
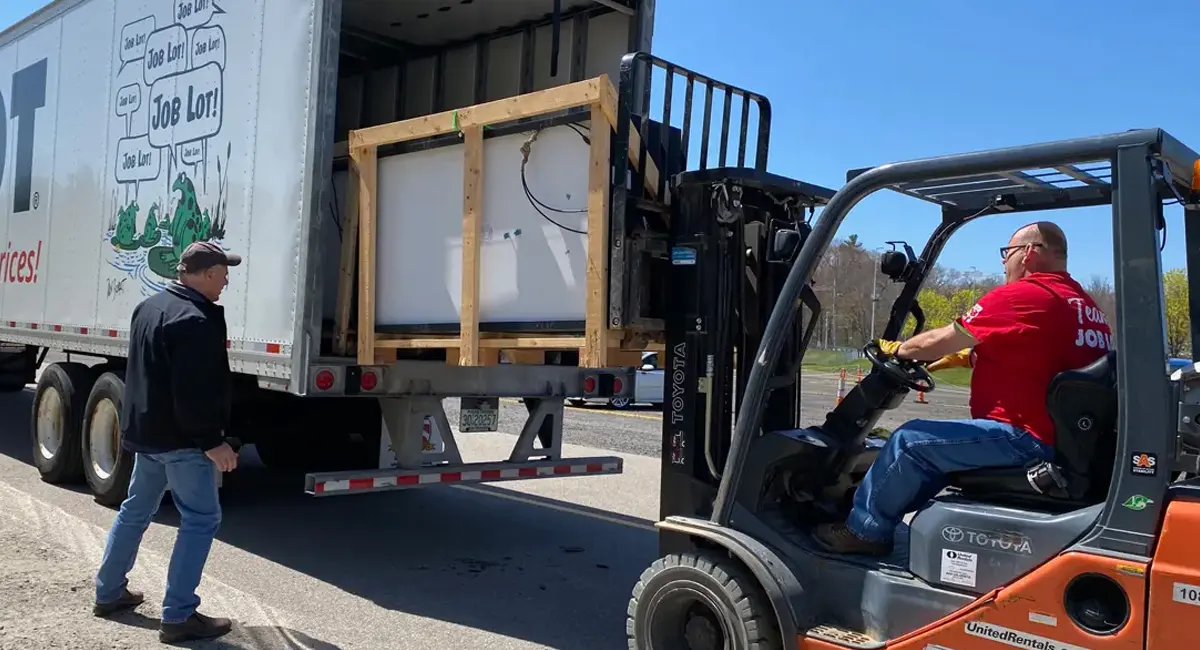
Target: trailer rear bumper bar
[(380, 480)]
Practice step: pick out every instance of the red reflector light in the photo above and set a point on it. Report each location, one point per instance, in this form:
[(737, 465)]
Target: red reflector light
[(324, 380), (617, 385), (589, 385), (369, 380)]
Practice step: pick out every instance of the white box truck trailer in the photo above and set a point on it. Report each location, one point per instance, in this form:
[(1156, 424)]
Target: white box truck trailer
[(434, 199)]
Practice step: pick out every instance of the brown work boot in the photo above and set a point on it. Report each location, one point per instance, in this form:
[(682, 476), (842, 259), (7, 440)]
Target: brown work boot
[(197, 626), (837, 538), (128, 600)]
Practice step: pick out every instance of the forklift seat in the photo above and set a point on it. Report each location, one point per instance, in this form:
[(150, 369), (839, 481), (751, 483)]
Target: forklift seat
[(1083, 405)]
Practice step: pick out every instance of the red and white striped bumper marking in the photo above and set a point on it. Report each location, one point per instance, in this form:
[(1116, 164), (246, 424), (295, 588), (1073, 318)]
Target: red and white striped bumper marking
[(466, 476), (261, 347)]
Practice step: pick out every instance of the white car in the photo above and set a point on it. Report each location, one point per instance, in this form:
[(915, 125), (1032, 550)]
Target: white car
[(647, 389)]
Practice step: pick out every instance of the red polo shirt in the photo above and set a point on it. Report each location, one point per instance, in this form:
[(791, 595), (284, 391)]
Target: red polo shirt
[(1028, 331)]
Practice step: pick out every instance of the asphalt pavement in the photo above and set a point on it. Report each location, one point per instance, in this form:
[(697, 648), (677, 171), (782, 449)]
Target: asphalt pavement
[(546, 563)]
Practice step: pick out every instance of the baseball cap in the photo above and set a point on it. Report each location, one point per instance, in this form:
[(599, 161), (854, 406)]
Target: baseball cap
[(202, 255)]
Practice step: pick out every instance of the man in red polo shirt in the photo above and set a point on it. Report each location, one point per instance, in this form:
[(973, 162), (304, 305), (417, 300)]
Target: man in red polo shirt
[(1021, 334)]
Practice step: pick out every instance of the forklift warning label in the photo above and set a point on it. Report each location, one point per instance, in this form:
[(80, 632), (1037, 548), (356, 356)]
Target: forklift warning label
[(1016, 638), (959, 567), (683, 256)]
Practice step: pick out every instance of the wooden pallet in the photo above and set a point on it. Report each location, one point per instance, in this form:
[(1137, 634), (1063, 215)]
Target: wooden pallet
[(598, 344)]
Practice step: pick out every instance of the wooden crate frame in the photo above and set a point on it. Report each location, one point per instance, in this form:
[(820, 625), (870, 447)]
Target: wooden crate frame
[(599, 344)]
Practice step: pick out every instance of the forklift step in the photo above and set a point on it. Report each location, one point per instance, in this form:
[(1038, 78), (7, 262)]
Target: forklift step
[(842, 636)]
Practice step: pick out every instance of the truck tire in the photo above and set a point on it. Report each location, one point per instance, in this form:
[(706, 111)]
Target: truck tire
[(17, 370), (323, 435), (56, 421), (699, 600), (282, 453), (311, 452), (106, 466)]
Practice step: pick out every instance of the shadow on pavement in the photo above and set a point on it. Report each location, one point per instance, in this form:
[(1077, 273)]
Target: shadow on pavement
[(556, 578), (239, 638)]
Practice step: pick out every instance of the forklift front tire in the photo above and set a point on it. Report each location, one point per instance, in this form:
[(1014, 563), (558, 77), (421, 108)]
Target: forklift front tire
[(700, 600)]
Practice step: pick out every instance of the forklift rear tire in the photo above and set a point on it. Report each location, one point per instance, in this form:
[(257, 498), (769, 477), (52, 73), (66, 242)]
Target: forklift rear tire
[(700, 601)]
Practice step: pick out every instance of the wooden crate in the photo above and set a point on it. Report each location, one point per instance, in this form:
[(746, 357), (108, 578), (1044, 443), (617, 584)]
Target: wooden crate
[(600, 345)]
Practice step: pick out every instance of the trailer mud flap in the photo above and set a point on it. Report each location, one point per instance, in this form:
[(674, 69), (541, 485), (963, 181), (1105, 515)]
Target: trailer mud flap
[(358, 482)]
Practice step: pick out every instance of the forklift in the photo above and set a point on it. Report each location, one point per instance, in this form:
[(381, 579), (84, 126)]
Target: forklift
[(1093, 549)]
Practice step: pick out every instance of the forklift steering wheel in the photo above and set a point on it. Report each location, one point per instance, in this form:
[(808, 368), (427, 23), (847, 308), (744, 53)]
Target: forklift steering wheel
[(910, 374)]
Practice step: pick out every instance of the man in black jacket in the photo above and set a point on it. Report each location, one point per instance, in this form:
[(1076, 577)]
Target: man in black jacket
[(173, 419)]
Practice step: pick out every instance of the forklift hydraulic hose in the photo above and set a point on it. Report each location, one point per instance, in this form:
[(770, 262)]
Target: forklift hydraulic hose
[(1037, 156)]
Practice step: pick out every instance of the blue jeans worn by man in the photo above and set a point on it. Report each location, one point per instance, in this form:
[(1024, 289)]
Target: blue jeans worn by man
[(175, 410), (192, 478), (912, 466)]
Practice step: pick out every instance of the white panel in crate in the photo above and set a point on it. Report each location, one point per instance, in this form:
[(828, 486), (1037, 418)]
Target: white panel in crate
[(532, 270), (431, 443)]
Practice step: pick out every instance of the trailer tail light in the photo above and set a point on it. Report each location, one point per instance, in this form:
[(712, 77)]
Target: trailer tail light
[(602, 384), (369, 380), (324, 380)]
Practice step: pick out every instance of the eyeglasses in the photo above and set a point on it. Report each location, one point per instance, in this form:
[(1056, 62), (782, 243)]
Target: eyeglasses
[(1004, 250)]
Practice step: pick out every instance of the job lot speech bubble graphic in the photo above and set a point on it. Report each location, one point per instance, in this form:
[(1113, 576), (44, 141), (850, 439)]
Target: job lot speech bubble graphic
[(194, 13), (129, 99), (191, 153), (186, 107), (137, 160), (166, 53), (133, 40), (208, 46)]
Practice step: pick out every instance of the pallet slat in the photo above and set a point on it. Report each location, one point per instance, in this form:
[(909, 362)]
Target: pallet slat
[(472, 227)]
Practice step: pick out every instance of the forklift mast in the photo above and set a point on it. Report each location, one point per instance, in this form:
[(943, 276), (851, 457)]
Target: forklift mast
[(704, 262), (734, 234)]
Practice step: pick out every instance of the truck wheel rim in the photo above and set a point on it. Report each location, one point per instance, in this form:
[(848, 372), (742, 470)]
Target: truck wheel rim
[(103, 437), (620, 402), (49, 424)]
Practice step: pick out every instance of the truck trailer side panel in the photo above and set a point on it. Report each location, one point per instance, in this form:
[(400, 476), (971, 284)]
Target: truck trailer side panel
[(136, 127)]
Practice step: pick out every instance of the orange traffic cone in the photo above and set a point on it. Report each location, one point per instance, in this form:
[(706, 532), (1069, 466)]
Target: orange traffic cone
[(921, 397), (841, 389)]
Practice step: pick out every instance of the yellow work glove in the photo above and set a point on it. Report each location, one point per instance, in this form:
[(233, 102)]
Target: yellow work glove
[(959, 359), (888, 347)]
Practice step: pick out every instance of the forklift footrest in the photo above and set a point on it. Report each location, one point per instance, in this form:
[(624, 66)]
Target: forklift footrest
[(845, 637)]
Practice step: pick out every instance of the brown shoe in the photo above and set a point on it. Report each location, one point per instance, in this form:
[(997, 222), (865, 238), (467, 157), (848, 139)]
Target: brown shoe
[(197, 626), (128, 600), (837, 538)]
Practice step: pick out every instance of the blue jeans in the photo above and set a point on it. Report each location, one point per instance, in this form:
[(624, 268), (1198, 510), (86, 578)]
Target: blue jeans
[(912, 465), (192, 477)]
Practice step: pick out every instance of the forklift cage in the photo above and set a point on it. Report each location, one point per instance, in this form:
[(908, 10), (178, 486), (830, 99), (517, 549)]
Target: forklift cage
[(669, 144), (1147, 167)]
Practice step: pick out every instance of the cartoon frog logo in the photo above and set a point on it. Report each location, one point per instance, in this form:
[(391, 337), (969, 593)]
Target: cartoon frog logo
[(188, 225)]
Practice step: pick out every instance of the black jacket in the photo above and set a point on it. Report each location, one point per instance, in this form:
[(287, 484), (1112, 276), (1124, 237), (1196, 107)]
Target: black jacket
[(177, 381)]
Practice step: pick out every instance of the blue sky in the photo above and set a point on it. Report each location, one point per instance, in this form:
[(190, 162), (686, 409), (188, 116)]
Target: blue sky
[(855, 84)]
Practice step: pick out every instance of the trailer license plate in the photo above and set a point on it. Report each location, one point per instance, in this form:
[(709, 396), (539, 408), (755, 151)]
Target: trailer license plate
[(478, 415)]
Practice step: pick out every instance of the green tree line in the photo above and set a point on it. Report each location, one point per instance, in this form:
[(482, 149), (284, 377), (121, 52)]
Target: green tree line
[(852, 290)]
